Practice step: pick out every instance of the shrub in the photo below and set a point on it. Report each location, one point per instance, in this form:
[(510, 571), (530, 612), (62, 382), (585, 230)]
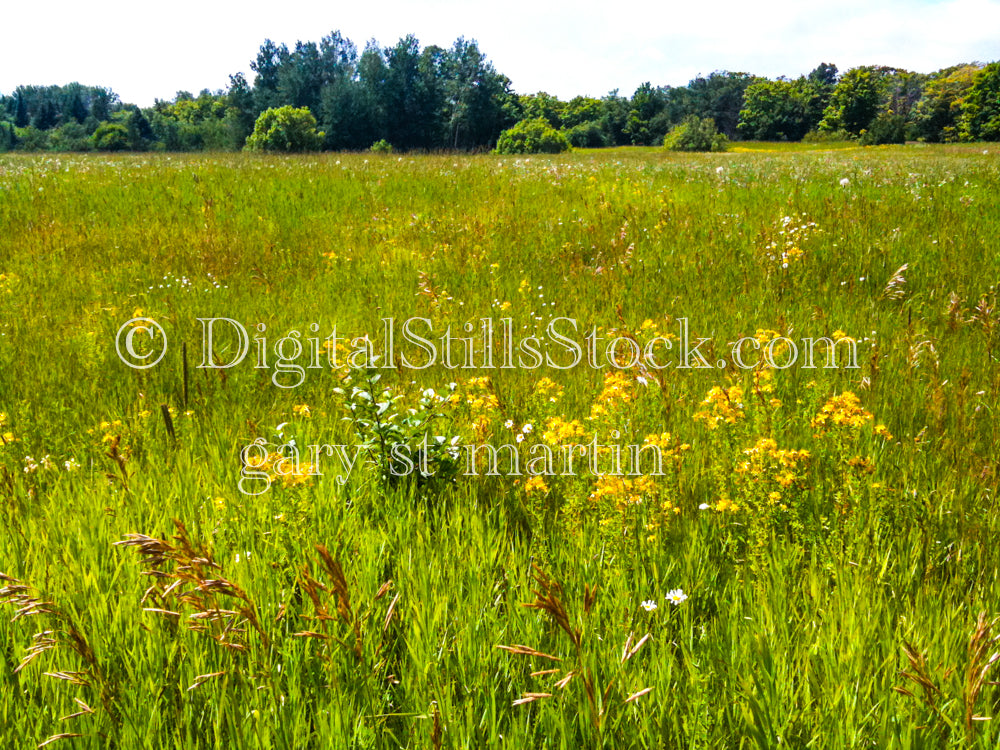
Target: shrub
[(827, 136), (532, 137), (31, 139), (588, 134), (285, 129), (71, 136), (696, 134), (110, 136), (381, 146)]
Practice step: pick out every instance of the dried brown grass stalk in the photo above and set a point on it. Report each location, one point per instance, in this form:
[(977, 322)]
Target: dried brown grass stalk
[(549, 598), (185, 576), (61, 634), (332, 603), (982, 654)]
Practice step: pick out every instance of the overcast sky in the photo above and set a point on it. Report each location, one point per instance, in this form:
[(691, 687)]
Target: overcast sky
[(146, 51)]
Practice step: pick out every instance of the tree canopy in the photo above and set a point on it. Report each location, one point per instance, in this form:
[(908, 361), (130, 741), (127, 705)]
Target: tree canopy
[(430, 98)]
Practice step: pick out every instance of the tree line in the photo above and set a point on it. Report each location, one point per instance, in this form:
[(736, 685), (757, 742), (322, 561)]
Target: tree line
[(409, 97)]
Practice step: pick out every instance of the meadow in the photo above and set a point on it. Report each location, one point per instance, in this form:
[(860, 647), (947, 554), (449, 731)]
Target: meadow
[(816, 565)]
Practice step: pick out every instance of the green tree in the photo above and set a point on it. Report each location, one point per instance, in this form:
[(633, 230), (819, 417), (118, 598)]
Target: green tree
[(241, 112), (479, 103), (285, 129), (980, 109), (775, 111), (647, 103), (937, 113), (7, 136), (855, 101), (718, 97), (542, 105), (412, 95), (614, 118), (581, 109), (267, 66), (588, 134), (70, 136)]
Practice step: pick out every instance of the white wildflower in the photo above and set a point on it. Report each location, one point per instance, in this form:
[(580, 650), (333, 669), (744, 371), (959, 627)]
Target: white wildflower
[(676, 596)]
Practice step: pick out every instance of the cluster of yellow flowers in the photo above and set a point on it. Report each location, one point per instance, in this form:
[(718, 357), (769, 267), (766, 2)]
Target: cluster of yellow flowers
[(480, 396), (623, 491), (667, 443), (341, 355), (845, 410), (549, 390), (771, 465), (535, 484), (288, 471), (482, 402), (763, 385), (723, 406), (618, 389), (109, 430), (111, 437), (302, 410), (558, 430), (5, 435), (861, 465)]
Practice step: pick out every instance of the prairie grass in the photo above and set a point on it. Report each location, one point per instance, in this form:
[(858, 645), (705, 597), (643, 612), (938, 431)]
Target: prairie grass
[(834, 530)]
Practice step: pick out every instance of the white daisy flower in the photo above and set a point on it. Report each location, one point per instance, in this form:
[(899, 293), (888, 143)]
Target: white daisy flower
[(676, 596)]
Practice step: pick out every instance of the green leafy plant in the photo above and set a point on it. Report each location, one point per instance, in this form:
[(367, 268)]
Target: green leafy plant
[(396, 438), (696, 134), (532, 137), (285, 129)]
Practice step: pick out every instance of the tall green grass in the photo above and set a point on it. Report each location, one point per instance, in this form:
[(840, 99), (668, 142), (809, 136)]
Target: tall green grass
[(794, 638)]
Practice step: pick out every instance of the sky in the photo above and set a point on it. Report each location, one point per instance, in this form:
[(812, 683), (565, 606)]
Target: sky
[(148, 51)]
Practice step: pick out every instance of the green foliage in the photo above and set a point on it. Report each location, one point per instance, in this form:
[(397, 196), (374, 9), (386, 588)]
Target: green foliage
[(588, 134), (70, 137), (980, 117), (381, 147), (774, 111), (855, 102), (544, 106), (111, 136), (8, 138), (285, 129), (647, 109), (532, 137), (886, 128), (32, 139), (937, 112), (827, 136), (399, 438), (696, 134), (137, 127), (718, 96), (50, 107), (580, 110)]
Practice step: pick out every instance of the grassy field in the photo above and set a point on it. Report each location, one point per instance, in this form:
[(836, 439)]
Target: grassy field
[(832, 530)]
